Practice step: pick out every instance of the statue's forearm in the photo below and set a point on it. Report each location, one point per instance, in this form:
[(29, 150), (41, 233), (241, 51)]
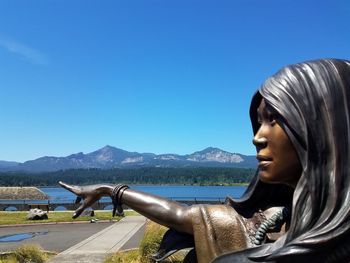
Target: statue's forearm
[(163, 211)]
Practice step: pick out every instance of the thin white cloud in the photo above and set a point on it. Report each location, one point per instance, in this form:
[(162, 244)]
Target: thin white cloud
[(32, 55)]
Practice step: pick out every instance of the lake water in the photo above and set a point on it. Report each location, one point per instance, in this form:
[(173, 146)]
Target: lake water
[(178, 192)]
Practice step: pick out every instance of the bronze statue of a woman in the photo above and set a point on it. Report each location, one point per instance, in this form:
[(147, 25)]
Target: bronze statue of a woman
[(297, 207)]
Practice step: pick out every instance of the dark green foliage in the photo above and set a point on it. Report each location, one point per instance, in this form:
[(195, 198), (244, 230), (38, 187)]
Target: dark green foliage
[(151, 175)]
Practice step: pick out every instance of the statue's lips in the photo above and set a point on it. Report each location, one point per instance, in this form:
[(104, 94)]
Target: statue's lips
[(264, 161), (262, 158), (264, 164)]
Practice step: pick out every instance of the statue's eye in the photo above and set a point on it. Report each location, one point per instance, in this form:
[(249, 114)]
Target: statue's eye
[(272, 119)]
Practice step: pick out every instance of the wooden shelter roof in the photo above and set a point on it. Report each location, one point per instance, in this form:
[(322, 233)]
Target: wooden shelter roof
[(22, 193)]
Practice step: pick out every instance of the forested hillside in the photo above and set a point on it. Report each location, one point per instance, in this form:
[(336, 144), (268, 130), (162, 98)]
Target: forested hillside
[(150, 175)]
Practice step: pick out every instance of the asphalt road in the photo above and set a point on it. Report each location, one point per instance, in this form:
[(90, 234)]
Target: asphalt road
[(58, 238)]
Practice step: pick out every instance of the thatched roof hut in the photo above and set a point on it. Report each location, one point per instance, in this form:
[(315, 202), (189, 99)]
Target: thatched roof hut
[(22, 193)]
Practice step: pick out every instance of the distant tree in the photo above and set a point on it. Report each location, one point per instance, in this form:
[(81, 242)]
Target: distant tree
[(145, 175)]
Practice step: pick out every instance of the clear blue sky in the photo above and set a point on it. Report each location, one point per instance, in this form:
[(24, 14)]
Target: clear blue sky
[(162, 76)]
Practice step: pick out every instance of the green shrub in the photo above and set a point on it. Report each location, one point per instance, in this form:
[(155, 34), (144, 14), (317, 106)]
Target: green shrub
[(149, 245), (130, 256), (30, 253), (151, 240), (8, 259)]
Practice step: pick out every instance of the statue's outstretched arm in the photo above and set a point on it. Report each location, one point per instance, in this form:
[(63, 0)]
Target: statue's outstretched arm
[(161, 210)]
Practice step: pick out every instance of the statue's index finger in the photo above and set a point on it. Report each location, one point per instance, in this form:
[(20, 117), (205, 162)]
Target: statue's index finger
[(69, 187), (64, 185)]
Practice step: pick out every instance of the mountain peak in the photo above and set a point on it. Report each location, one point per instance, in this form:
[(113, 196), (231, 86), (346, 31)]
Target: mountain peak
[(109, 154), (108, 150), (209, 150), (111, 157), (212, 149), (212, 154), (108, 147)]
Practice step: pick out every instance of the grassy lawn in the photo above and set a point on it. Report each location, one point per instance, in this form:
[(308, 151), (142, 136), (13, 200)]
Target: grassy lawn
[(12, 218), (26, 253), (149, 245)]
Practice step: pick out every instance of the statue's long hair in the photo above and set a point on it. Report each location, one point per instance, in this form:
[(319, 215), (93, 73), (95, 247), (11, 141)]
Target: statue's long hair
[(313, 101)]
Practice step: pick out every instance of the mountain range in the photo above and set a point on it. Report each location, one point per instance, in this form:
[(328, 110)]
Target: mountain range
[(111, 157)]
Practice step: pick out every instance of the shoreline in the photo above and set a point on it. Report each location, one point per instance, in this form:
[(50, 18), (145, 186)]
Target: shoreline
[(218, 184)]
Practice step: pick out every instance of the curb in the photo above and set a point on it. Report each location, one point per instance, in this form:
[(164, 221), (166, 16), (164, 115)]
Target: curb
[(59, 223)]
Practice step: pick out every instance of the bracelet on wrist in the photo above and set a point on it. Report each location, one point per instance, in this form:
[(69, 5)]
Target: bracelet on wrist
[(116, 199)]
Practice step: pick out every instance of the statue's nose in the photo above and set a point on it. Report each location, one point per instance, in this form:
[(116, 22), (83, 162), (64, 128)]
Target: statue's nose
[(260, 142)]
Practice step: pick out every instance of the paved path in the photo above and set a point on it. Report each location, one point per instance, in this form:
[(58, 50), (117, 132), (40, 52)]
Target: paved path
[(95, 248), (54, 237)]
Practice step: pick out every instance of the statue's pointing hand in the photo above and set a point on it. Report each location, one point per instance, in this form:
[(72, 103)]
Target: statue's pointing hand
[(89, 194)]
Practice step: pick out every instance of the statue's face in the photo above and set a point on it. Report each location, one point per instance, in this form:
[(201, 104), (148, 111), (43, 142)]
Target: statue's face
[(278, 160)]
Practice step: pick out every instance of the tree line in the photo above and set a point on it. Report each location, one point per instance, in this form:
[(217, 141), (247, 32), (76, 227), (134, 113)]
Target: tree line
[(145, 175)]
